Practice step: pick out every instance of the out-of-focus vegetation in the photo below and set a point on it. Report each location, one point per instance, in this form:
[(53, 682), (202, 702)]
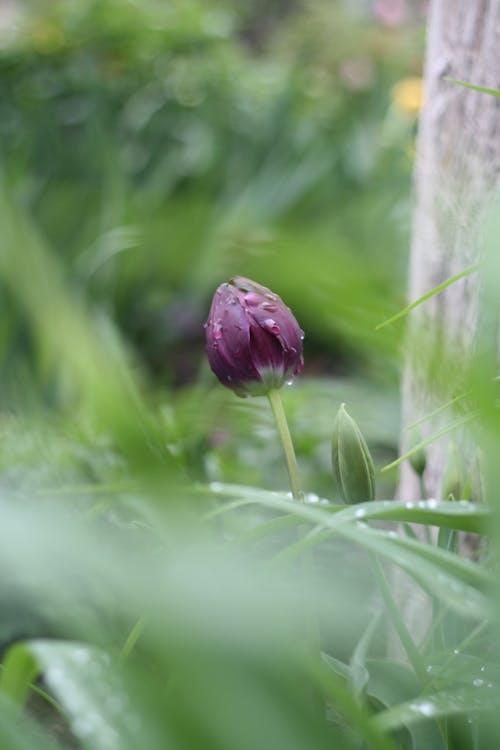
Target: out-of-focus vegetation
[(158, 148), (155, 588), (158, 151)]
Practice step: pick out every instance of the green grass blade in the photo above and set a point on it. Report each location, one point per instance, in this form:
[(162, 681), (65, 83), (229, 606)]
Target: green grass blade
[(460, 515), (472, 700), (358, 671), (424, 443), (333, 686), (462, 585), (437, 411), (474, 87), (396, 619), (428, 295)]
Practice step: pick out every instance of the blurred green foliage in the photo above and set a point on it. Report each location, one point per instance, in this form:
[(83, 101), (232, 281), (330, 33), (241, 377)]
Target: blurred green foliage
[(156, 595), (158, 152)]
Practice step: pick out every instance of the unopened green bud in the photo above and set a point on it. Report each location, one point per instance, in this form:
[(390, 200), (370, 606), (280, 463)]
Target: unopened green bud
[(418, 459), (353, 469)]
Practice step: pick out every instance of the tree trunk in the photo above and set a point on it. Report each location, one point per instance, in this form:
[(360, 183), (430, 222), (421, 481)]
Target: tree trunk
[(458, 169)]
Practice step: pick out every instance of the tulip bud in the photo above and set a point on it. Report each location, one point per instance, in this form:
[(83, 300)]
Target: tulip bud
[(253, 342), (353, 469)]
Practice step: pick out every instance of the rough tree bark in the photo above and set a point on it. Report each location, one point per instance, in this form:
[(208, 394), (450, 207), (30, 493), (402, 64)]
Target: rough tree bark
[(458, 168)]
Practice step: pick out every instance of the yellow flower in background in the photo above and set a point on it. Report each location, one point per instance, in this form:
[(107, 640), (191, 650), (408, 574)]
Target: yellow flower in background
[(408, 95)]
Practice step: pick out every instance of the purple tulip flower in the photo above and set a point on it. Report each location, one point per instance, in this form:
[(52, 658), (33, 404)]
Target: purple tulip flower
[(254, 343)]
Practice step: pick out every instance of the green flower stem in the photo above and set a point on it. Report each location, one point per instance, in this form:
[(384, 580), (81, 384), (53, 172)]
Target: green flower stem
[(423, 495), (307, 563), (423, 491), (286, 441)]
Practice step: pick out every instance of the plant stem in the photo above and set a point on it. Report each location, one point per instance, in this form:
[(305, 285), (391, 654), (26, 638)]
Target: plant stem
[(423, 494), (132, 639), (286, 441), (423, 491), (311, 625)]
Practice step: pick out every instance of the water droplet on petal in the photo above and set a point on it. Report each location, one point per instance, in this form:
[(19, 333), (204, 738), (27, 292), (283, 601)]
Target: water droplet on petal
[(252, 299), (272, 326), (269, 306), (217, 330)]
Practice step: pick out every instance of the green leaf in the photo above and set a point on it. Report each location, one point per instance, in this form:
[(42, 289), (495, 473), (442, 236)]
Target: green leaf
[(462, 669), (458, 583), (357, 664), (83, 680), (275, 525), (397, 621), (339, 667), (470, 701), (21, 735), (389, 683), (428, 295), (459, 422), (474, 87), (439, 410), (461, 515), (18, 670), (332, 682), (462, 585)]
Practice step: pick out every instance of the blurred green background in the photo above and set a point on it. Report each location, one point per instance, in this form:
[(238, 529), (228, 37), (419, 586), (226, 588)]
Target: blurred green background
[(157, 148), (158, 588)]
